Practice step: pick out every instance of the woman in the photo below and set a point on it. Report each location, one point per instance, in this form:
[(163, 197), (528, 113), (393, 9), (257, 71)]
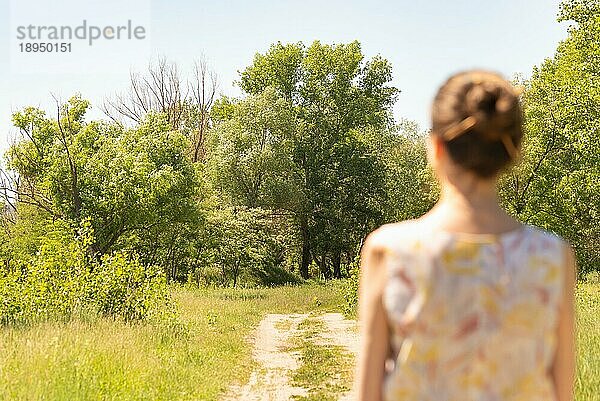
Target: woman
[(466, 303)]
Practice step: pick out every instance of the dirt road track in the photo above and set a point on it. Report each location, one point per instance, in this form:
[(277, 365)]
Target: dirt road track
[(272, 338)]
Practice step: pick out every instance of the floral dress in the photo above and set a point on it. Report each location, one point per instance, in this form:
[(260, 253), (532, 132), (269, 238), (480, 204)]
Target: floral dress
[(472, 316)]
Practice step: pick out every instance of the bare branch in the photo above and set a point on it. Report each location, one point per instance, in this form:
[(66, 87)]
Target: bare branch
[(161, 89), (158, 90), (203, 88)]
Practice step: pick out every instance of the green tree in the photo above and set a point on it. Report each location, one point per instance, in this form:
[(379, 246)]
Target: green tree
[(186, 104), (135, 185), (411, 186), (244, 246), (250, 152), (557, 185), (333, 92)]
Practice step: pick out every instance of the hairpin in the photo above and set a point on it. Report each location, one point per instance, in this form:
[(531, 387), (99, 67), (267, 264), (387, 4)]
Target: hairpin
[(468, 123), (509, 146), (459, 128)]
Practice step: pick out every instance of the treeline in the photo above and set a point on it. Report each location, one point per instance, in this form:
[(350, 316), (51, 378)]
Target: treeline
[(557, 185), (284, 182), (278, 185)]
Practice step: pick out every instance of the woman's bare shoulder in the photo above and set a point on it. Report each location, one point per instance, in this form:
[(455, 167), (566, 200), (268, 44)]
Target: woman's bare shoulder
[(379, 248), (387, 234)]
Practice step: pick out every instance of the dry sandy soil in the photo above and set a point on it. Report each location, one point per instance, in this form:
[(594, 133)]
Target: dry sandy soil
[(272, 340)]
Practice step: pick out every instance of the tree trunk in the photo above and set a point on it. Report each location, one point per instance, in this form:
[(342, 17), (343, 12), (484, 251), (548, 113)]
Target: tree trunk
[(337, 259), (305, 248), (325, 269), (236, 272)]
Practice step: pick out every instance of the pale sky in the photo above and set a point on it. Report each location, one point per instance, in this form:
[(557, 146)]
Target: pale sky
[(425, 41)]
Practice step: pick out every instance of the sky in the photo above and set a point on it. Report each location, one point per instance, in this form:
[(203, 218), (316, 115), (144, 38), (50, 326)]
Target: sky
[(425, 41)]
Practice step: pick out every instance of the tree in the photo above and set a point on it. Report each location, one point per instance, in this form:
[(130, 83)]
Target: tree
[(557, 184), (203, 88), (143, 192), (161, 90), (250, 152), (244, 246), (186, 104), (333, 93), (411, 186), (133, 184)]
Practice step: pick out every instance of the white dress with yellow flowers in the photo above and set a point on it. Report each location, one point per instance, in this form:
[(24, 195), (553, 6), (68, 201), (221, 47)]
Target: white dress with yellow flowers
[(472, 316)]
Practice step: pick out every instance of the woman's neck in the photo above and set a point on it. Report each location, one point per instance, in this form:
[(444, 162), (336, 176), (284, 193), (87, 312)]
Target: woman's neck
[(470, 204), (477, 195)]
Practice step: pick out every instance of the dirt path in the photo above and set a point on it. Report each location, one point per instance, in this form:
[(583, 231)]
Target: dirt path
[(272, 340), (342, 332)]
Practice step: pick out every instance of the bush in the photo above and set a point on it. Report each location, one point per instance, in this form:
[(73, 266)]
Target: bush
[(53, 283), (351, 288), (273, 276), (122, 286), (207, 276), (244, 246), (59, 282)]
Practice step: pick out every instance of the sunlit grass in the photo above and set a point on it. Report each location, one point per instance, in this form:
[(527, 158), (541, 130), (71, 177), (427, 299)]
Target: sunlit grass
[(207, 351), (325, 370), (109, 360), (587, 384)]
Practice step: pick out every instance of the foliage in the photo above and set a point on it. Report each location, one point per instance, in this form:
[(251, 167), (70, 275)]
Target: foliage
[(21, 235), (411, 186), (249, 156), (122, 286), (351, 288), (60, 282), (335, 181), (245, 246), (140, 183), (580, 11), (137, 186), (52, 284), (557, 184)]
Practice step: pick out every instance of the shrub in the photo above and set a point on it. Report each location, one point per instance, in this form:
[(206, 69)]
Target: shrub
[(122, 286), (52, 283), (351, 288), (244, 246), (272, 276), (60, 282)]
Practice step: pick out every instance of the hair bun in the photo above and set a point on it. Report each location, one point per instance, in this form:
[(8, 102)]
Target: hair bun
[(493, 104), (477, 115)]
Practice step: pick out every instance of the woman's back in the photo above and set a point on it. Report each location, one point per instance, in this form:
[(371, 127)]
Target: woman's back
[(467, 317), (472, 316)]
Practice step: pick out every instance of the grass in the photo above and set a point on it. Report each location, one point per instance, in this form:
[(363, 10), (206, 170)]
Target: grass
[(110, 360), (208, 350), (325, 370), (587, 383)]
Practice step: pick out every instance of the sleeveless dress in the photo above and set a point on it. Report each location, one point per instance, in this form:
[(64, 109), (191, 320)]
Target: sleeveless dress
[(472, 316)]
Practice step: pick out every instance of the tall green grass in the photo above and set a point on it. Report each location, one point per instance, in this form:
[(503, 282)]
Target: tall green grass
[(195, 359), (201, 354), (587, 382)]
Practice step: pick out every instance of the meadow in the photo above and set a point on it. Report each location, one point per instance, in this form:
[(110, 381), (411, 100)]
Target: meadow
[(194, 358), (587, 384), (122, 237), (203, 352)]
